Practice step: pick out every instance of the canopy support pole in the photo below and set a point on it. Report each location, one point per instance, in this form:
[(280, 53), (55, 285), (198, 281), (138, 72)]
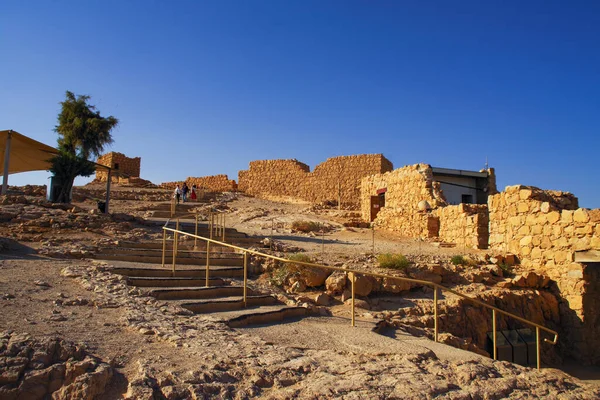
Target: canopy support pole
[(6, 163), (107, 191)]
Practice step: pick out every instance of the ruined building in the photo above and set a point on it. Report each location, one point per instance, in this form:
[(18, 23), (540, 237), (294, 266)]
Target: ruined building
[(546, 230), (411, 200), (335, 180), (121, 165)]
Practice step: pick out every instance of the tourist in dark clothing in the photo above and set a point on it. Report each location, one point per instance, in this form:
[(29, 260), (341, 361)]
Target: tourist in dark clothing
[(184, 191)]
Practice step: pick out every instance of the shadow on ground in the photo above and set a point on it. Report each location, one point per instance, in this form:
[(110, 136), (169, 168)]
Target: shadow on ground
[(12, 250)]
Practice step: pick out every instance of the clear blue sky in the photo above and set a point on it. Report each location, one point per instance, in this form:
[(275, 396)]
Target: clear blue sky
[(202, 88)]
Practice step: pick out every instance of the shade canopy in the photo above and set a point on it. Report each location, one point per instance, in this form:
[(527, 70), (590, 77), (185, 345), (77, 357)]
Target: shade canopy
[(25, 154)]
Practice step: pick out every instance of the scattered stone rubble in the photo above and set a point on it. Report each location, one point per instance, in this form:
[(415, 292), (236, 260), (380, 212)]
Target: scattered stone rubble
[(38, 368), (248, 367)]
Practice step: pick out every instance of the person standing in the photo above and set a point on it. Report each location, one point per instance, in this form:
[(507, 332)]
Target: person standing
[(177, 194), (193, 195), (184, 191)]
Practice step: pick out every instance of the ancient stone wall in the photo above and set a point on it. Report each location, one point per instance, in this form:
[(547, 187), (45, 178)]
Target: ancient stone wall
[(544, 229), (337, 177), (416, 207), (464, 224), (122, 166), (214, 183), (406, 188)]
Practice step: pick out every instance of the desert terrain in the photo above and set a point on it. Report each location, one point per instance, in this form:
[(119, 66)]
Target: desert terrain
[(71, 327)]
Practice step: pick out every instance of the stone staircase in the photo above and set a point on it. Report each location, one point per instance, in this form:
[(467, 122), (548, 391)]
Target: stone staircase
[(163, 210), (223, 299), (141, 263)]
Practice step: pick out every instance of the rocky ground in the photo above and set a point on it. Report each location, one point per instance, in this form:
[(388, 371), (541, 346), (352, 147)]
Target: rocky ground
[(72, 329)]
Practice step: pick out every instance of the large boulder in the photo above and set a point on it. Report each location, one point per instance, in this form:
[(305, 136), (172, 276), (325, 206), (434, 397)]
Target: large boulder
[(394, 285), (363, 285), (336, 283), (313, 276), (531, 280)]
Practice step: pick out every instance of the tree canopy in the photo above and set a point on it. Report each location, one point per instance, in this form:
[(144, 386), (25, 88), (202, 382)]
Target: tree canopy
[(82, 132)]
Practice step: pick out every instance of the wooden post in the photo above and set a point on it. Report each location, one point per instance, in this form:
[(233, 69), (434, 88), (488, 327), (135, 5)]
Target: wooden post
[(164, 247), (373, 234), (207, 262), (108, 181), (494, 334), (176, 238), (6, 163), (435, 313), (245, 277), (537, 346), (223, 239), (352, 279)]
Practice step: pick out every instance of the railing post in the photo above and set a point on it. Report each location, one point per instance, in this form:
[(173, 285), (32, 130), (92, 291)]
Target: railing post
[(494, 334), (537, 346), (175, 241), (352, 280), (211, 218), (245, 276), (164, 247), (223, 239), (196, 234), (218, 231), (435, 313), (373, 233), (207, 262)]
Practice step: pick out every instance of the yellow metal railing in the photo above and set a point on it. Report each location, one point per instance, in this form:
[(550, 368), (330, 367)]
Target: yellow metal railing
[(352, 274)]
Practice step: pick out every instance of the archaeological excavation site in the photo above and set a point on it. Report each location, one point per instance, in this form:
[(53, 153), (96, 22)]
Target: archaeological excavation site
[(356, 279)]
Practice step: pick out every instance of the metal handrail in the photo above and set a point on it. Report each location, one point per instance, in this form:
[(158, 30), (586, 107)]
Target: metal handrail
[(352, 275)]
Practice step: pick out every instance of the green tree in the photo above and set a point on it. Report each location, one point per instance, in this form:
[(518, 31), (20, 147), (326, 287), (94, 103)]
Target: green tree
[(82, 132)]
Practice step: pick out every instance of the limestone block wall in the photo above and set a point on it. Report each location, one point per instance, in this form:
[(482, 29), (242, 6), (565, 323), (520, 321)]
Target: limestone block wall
[(122, 166), (544, 229), (292, 180), (274, 179), (464, 224), (406, 188), (214, 183)]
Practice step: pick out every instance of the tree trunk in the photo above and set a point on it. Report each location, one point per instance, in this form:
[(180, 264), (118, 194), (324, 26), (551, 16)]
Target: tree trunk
[(66, 184)]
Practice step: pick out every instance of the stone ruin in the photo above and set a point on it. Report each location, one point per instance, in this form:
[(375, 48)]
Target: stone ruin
[(544, 230), (335, 180), (416, 206), (121, 165), (125, 170), (214, 183)]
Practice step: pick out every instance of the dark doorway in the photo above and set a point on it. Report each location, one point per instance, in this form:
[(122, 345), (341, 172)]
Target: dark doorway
[(374, 207), (467, 199)]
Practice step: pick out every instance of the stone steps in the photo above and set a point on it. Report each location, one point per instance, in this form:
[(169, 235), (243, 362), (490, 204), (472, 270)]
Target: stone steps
[(229, 304), (266, 315), (157, 259), (171, 281), (223, 302), (128, 251), (191, 293), (199, 273)]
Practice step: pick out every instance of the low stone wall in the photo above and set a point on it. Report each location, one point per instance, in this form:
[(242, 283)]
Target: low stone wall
[(544, 229), (464, 224), (337, 178), (406, 188), (214, 183)]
